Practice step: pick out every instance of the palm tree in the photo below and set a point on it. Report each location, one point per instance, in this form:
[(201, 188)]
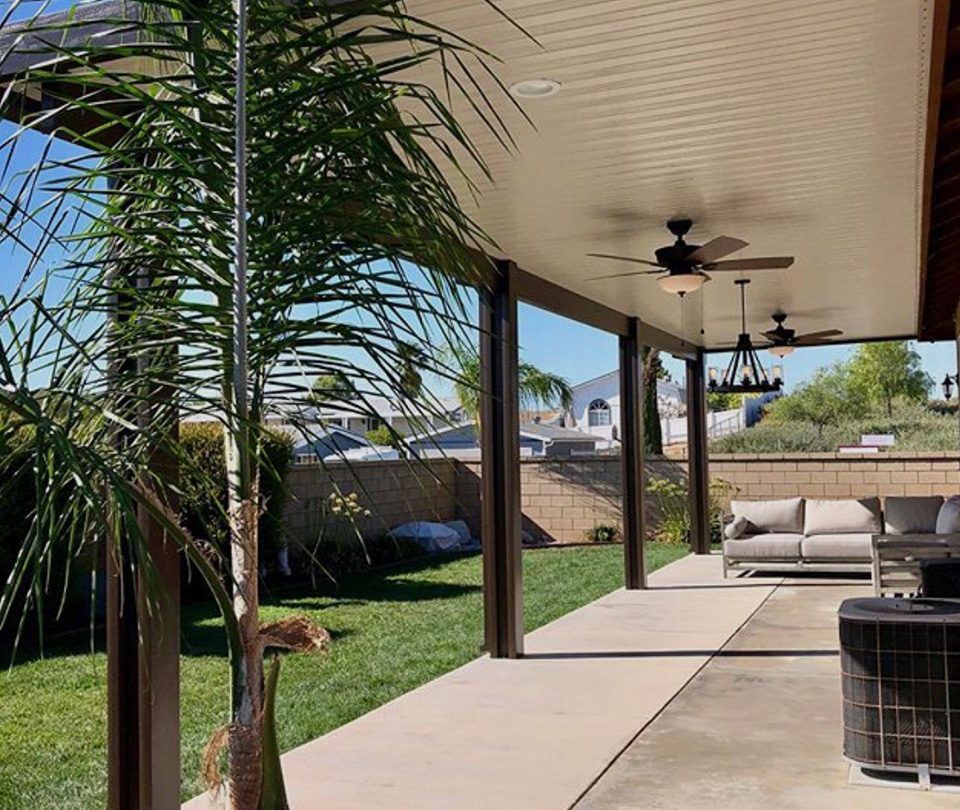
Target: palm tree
[(234, 219), (536, 388)]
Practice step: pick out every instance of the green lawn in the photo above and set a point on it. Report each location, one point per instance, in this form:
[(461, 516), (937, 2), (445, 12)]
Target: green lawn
[(393, 630)]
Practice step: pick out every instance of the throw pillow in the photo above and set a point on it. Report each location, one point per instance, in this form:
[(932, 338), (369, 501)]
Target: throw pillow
[(736, 528), (948, 519)]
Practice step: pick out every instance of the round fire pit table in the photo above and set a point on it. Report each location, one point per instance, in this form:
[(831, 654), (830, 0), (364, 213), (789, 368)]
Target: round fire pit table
[(900, 665)]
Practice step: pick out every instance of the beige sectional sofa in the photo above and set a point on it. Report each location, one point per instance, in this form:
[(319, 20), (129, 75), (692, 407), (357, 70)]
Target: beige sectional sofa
[(813, 533)]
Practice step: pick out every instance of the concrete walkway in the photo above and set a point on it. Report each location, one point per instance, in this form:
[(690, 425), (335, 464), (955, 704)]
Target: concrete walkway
[(696, 693), (537, 732)]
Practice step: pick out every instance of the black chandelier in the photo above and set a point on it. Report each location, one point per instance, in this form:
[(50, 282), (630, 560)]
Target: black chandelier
[(745, 374)]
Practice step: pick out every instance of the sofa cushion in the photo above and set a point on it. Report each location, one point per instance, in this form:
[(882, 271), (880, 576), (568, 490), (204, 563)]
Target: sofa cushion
[(773, 546), (840, 546), (771, 516), (948, 519), (850, 516), (911, 515)]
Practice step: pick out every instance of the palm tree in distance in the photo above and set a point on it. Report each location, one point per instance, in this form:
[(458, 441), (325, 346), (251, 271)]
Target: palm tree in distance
[(537, 389)]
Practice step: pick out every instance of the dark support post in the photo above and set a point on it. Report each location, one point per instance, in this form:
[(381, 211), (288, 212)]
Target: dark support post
[(500, 448), (143, 645), (143, 694), (699, 479), (631, 455)]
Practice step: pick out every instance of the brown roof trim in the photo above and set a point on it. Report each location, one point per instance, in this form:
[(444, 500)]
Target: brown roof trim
[(938, 50)]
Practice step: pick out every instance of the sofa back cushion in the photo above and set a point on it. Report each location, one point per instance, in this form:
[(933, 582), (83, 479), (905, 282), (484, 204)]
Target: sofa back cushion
[(911, 515), (948, 520), (852, 516), (770, 516)]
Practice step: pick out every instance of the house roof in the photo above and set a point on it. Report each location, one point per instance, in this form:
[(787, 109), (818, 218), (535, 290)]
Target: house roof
[(664, 387), (555, 433), (544, 432)]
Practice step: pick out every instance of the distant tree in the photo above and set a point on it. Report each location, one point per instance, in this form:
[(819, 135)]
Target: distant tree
[(653, 370), (329, 388), (537, 389), (828, 399), (724, 401), (382, 436), (885, 371), (410, 381)]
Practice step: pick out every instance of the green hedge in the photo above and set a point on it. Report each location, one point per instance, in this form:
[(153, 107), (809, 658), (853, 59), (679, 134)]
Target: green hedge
[(202, 505), (203, 482)]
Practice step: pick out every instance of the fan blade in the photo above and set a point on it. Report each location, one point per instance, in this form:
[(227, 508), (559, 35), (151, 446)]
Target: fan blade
[(768, 263), (716, 249), (622, 258), (815, 337), (771, 335), (624, 275)]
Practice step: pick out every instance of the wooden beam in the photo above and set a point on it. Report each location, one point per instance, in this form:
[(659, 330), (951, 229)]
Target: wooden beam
[(938, 58), (631, 457), (698, 474), (552, 297), (667, 342), (500, 467)]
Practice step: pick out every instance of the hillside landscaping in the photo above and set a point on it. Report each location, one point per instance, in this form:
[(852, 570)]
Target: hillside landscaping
[(880, 389)]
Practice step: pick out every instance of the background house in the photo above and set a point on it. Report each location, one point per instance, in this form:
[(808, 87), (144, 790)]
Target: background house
[(596, 410), (536, 439), (596, 405), (373, 411)]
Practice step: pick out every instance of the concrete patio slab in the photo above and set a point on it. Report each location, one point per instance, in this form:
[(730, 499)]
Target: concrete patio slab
[(759, 727), (536, 732)]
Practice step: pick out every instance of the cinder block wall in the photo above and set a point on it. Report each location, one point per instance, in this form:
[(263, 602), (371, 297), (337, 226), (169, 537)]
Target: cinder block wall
[(563, 498), (394, 491), (834, 475)]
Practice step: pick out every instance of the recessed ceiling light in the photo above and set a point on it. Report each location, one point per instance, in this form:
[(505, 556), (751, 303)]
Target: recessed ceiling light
[(535, 88)]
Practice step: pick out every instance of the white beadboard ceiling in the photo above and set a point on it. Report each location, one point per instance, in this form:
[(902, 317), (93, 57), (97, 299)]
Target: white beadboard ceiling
[(798, 127)]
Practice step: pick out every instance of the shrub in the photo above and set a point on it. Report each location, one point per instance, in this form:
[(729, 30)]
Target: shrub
[(602, 533), (673, 525), (382, 436), (672, 502), (204, 490)]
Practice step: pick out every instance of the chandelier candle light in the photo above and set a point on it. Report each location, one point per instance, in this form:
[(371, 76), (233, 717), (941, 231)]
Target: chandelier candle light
[(745, 374)]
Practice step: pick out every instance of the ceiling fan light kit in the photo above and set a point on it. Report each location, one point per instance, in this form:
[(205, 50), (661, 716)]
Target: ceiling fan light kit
[(781, 351), (681, 283), (682, 267), (745, 373)]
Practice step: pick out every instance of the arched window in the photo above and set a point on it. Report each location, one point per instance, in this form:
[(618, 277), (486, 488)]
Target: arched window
[(598, 414)]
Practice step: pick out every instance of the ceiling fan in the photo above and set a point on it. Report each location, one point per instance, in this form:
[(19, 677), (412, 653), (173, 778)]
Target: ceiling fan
[(784, 340), (682, 267)]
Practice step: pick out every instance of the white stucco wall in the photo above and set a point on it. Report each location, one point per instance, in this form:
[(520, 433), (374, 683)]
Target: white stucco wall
[(607, 388)]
